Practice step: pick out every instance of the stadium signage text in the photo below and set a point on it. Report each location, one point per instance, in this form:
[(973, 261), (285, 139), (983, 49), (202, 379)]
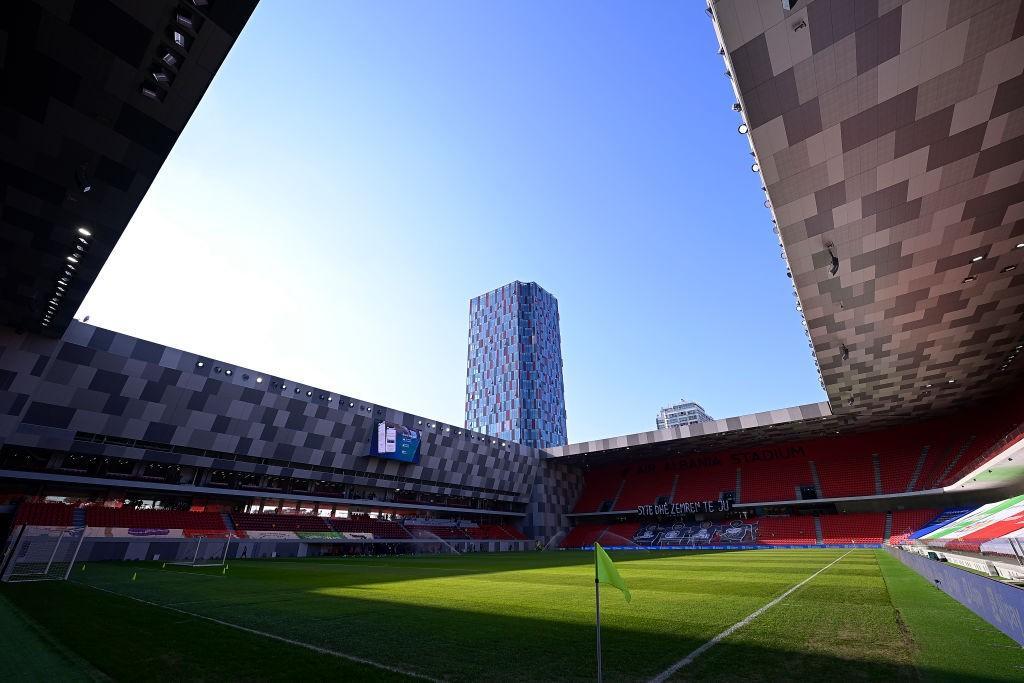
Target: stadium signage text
[(683, 508)]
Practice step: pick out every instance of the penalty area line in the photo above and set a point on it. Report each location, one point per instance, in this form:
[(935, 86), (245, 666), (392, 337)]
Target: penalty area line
[(688, 659), (282, 639)]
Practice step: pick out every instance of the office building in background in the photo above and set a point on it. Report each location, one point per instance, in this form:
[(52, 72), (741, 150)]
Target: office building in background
[(682, 413), (514, 387)]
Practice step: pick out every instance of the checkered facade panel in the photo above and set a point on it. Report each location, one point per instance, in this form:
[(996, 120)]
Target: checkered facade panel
[(514, 386), (889, 135), (810, 418), (556, 487), (95, 381)]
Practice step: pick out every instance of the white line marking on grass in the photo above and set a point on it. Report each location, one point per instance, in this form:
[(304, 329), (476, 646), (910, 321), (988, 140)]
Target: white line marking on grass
[(688, 659), (298, 643)]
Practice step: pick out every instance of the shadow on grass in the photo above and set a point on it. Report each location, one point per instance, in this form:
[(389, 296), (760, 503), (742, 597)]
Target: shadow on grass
[(133, 641)]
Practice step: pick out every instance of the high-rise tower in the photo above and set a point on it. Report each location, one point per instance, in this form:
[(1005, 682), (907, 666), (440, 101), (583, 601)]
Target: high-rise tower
[(514, 387)]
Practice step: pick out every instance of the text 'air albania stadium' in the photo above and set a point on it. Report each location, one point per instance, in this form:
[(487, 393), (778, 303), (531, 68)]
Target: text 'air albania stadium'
[(890, 143)]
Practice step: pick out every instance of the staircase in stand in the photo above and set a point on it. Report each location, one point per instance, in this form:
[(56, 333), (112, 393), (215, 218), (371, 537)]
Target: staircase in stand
[(877, 465), (818, 537), (675, 482), (739, 481), (615, 500), (917, 469), (953, 462), (229, 523), (888, 528), (78, 517), (817, 483)]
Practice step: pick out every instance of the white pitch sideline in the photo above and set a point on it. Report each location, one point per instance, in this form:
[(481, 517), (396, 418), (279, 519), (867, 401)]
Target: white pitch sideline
[(298, 643), (688, 659)]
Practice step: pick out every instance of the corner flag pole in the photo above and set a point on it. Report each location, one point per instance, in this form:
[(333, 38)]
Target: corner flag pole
[(597, 597)]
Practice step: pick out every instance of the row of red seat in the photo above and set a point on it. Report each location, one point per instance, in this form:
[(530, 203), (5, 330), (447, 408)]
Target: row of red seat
[(44, 514), (270, 522), (897, 460), (906, 522), (380, 528), (207, 523), (154, 519)]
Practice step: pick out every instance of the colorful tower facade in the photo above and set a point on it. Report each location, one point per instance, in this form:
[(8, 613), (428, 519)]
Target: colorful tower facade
[(514, 387)]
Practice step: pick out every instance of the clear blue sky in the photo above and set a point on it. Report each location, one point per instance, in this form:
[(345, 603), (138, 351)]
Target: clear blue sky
[(359, 170)]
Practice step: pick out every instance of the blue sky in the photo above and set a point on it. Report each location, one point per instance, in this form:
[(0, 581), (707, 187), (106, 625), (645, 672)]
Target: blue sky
[(358, 171)]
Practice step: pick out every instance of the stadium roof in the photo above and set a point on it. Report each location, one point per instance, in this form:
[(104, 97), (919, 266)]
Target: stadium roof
[(789, 424), (93, 95), (892, 157)]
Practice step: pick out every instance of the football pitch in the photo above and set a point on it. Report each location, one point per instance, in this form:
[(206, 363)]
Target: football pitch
[(854, 615)]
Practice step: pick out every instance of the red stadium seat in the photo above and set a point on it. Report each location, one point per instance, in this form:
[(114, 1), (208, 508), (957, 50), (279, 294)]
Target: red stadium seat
[(856, 527), (44, 514), (794, 530), (192, 523), (269, 522), (906, 522), (583, 535)]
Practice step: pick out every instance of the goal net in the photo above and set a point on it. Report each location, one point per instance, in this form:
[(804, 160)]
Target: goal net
[(42, 554), (204, 552)]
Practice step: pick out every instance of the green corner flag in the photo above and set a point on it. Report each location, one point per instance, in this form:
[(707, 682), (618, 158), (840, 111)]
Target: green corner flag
[(604, 572), (607, 573)]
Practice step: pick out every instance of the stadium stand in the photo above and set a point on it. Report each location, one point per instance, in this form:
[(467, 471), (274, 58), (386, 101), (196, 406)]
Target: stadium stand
[(846, 474), (794, 530), (704, 485), (494, 532), (773, 480), (906, 522), (192, 523), (856, 527), (979, 455), (264, 522), (452, 533), (619, 534), (643, 489), (919, 457), (897, 467), (44, 514), (602, 486), (380, 528), (583, 535)]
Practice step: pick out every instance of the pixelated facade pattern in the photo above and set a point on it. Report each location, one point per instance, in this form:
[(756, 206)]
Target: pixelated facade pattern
[(81, 142), (514, 387), (767, 427), (99, 382), (890, 135), (556, 487)]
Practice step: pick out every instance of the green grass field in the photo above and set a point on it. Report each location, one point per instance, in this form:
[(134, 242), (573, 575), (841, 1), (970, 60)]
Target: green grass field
[(501, 617)]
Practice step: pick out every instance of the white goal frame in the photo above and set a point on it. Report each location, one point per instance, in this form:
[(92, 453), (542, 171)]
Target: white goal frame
[(12, 573), (212, 562)]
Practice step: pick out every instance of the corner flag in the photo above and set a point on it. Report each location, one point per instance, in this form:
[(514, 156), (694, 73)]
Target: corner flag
[(607, 573)]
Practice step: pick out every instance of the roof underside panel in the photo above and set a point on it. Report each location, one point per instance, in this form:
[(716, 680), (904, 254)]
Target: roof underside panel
[(80, 140), (890, 135)]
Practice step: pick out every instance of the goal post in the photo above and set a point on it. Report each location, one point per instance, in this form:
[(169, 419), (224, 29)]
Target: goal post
[(207, 552), (43, 554)]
